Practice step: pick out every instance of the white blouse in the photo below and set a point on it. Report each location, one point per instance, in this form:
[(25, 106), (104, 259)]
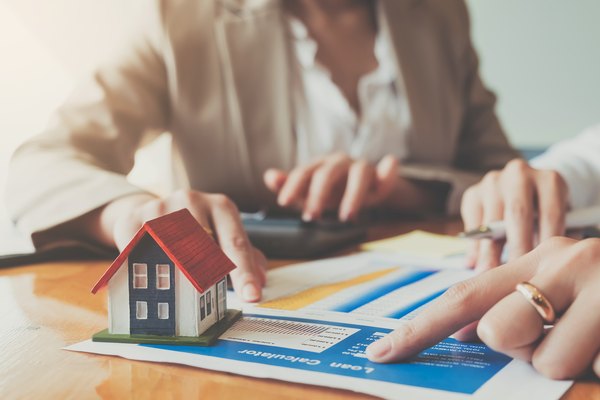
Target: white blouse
[(578, 162), (324, 120)]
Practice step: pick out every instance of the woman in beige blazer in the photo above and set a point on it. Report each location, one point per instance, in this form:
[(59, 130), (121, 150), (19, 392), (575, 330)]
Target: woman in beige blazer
[(219, 75)]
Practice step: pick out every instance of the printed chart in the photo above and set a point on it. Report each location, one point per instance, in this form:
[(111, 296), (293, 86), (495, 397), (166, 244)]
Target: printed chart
[(362, 285), (317, 320), (291, 334), (457, 367)]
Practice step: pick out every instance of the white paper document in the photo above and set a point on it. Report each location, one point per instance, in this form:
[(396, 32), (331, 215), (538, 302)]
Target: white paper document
[(317, 320), (288, 334)]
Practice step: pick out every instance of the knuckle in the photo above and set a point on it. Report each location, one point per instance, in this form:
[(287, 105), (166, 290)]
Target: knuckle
[(491, 179), (470, 197), (592, 242), (555, 242), (588, 250), (517, 166), (560, 256), (517, 176), (299, 172), (458, 296), (553, 369), (151, 209), (238, 243), (407, 333), (471, 193), (187, 197), (361, 164), (488, 332), (339, 156), (222, 201), (552, 179)]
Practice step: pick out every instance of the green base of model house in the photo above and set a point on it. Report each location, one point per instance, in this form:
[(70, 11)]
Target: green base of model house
[(208, 338)]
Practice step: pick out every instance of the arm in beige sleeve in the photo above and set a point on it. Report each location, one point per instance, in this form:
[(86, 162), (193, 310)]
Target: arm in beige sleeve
[(80, 162), (482, 145)]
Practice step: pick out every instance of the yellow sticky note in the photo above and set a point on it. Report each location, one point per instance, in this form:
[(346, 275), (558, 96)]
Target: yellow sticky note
[(420, 243)]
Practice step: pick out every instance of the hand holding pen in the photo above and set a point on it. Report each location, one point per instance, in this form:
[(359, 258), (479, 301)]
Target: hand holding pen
[(514, 195), (575, 219)]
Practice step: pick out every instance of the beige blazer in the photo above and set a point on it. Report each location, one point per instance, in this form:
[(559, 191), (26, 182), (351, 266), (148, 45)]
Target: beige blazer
[(216, 75)]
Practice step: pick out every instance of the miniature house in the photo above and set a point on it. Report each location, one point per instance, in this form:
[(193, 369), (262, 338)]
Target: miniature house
[(170, 280)]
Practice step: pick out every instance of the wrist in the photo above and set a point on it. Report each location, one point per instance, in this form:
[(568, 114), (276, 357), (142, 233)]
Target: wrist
[(103, 225)]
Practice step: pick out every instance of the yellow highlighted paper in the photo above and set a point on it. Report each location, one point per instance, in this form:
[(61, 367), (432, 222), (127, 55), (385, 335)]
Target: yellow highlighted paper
[(307, 297), (420, 243)]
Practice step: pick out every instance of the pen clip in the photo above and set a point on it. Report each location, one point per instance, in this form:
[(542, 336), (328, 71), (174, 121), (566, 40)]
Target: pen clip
[(481, 232)]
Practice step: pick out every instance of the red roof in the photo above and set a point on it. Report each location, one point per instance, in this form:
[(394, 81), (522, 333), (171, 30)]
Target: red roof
[(186, 243)]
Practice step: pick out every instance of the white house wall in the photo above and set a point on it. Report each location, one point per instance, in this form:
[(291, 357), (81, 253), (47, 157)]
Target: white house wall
[(118, 301), (213, 317), (186, 310)]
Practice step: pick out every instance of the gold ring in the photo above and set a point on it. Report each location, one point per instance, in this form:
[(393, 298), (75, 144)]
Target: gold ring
[(537, 299)]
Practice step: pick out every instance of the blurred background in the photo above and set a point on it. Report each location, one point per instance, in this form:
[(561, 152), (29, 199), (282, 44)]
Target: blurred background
[(541, 57)]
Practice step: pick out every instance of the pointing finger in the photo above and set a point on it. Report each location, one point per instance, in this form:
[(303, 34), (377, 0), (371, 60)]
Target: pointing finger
[(246, 278), (462, 304)]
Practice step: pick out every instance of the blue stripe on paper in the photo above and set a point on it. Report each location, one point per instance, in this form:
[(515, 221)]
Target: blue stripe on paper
[(382, 290), (412, 307)]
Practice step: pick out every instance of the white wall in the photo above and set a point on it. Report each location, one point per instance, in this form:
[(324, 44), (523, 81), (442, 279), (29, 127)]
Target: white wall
[(186, 305), (118, 301), (45, 48), (542, 57)]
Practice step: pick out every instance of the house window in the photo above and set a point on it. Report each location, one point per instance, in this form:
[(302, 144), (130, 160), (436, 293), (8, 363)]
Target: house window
[(208, 303), (202, 308), (163, 310), (163, 277), (141, 310), (140, 276)]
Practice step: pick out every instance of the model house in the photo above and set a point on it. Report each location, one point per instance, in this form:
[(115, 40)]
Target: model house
[(170, 281)]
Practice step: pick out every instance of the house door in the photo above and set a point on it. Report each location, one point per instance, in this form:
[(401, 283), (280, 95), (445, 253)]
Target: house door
[(151, 290)]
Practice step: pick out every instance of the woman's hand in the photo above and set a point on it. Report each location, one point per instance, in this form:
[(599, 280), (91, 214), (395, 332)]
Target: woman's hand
[(566, 271), (334, 182), (118, 222), (516, 195)]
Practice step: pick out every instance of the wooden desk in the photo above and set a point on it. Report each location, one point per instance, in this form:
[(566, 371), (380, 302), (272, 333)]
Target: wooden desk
[(48, 306)]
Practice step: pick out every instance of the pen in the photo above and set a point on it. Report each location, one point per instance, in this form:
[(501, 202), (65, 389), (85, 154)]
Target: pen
[(575, 219)]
